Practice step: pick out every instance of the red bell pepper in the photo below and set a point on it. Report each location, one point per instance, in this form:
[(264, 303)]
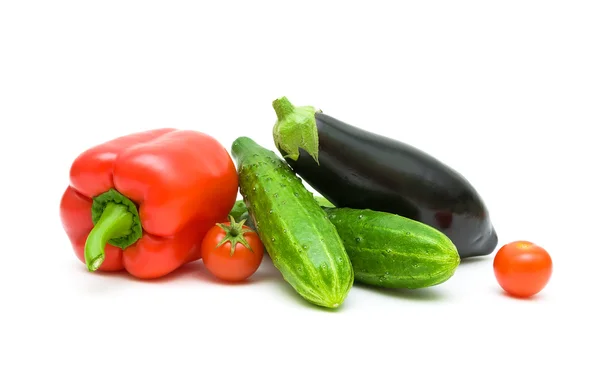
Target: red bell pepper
[(143, 202)]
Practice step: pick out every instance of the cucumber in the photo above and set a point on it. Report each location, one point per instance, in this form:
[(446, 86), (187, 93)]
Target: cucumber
[(388, 250), (297, 234), (239, 211), (323, 202)]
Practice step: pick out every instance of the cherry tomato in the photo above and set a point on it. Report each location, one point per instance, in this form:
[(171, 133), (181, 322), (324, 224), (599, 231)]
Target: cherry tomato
[(232, 251), (522, 268)]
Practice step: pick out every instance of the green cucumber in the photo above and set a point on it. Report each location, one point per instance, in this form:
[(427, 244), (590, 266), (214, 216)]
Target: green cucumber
[(323, 202), (239, 211), (297, 234), (388, 250)]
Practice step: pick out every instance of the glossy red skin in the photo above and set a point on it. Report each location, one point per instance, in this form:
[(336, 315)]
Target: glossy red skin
[(182, 181), (218, 260), (522, 268)]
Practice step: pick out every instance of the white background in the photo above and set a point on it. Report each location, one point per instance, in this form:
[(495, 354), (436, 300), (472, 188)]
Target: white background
[(506, 92)]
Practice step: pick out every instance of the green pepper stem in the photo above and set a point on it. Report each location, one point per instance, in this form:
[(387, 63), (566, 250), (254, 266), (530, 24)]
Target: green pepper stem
[(116, 221), (282, 107)]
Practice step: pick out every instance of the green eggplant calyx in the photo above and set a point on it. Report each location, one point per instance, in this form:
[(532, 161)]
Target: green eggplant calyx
[(295, 129)]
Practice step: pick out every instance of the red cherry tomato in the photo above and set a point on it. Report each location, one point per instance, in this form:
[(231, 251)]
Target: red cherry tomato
[(232, 251), (522, 268)]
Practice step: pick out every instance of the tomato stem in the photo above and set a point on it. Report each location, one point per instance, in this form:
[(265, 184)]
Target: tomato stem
[(234, 234)]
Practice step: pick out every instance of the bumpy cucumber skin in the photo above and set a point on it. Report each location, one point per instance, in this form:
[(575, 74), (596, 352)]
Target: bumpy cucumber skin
[(388, 250), (301, 241)]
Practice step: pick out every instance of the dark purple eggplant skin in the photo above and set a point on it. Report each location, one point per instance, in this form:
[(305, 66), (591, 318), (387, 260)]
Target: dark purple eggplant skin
[(363, 170)]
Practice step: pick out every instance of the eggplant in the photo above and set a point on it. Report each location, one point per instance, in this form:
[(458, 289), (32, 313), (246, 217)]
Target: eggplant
[(355, 168)]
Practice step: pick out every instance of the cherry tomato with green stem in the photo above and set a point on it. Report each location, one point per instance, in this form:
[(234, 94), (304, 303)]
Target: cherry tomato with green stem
[(522, 268), (232, 251)]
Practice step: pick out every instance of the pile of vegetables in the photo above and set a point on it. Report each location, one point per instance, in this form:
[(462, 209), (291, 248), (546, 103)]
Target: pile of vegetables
[(384, 214)]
